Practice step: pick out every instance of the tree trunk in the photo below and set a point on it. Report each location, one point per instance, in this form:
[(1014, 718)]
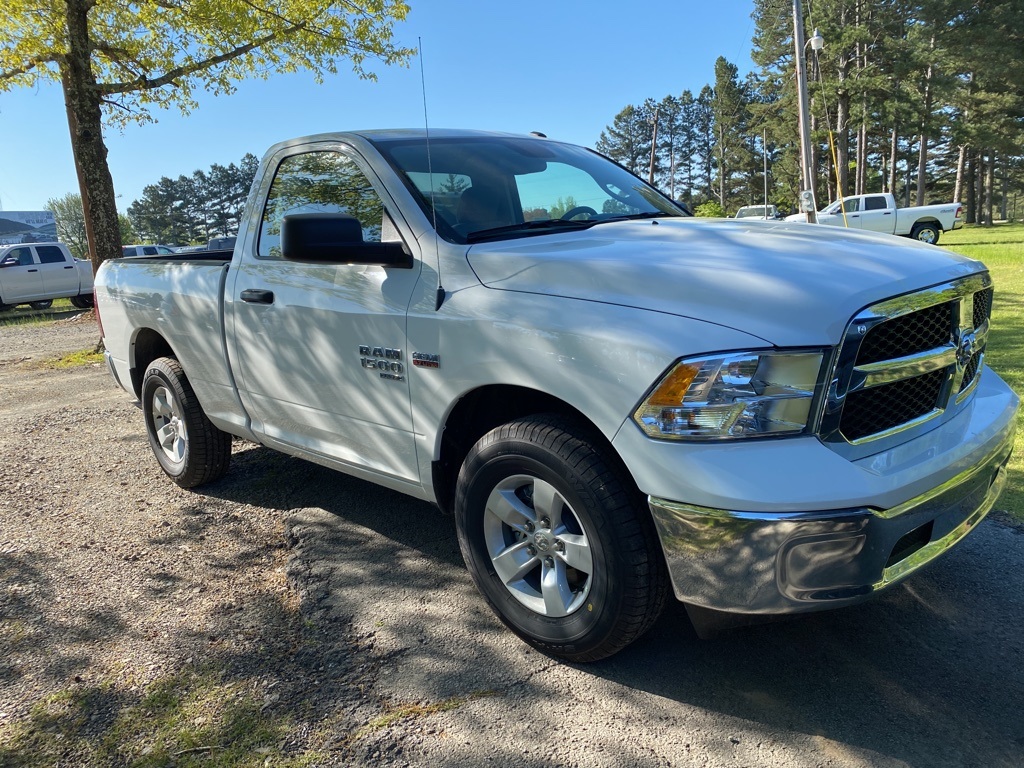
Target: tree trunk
[(926, 114), (971, 203), (893, 160), (958, 190), (1005, 190), (990, 189), (843, 141), (862, 156), (979, 184), (82, 98)]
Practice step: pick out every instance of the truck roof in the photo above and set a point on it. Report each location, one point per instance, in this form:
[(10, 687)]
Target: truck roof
[(397, 134)]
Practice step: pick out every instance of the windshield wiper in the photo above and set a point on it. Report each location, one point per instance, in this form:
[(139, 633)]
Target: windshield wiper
[(527, 226), (636, 216)]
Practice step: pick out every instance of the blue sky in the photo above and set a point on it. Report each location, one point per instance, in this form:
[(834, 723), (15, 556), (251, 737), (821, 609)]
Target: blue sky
[(561, 67)]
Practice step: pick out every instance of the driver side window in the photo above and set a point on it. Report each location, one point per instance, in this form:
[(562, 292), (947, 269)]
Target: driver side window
[(319, 182)]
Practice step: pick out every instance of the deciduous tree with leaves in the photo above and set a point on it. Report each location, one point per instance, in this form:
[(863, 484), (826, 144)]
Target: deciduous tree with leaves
[(117, 60)]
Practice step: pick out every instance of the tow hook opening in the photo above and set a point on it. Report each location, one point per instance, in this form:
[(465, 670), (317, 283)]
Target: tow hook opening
[(910, 543)]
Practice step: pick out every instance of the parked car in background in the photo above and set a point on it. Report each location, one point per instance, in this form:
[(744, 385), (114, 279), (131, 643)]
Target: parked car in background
[(146, 250), (878, 213), (766, 212), (37, 273), (221, 244)]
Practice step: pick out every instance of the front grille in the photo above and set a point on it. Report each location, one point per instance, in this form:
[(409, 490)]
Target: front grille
[(899, 360), (982, 306), (908, 335), (970, 372), (881, 408)]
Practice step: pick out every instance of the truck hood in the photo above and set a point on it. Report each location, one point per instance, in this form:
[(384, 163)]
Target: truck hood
[(789, 284)]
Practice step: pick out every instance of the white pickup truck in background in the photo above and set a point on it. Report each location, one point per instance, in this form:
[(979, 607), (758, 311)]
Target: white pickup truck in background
[(878, 213), (37, 273), (617, 402)]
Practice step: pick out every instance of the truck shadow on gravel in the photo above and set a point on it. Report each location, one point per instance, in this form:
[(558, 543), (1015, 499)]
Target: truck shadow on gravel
[(929, 673), (372, 646)]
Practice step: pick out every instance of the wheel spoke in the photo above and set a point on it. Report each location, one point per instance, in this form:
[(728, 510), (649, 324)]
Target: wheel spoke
[(166, 436), (510, 509), (554, 587), (178, 449), (514, 563), (577, 553), (547, 502), (163, 404)]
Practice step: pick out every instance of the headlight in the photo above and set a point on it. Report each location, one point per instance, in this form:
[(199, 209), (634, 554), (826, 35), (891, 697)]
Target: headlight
[(746, 394)]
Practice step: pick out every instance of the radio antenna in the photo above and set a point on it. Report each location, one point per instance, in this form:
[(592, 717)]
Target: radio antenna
[(439, 299)]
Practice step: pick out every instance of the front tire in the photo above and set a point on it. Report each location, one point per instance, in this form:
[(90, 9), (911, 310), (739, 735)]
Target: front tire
[(925, 233), (555, 537), (186, 444), (45, 304)]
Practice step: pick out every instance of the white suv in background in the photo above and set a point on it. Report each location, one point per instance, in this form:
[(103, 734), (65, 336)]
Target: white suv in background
[(766, 212)]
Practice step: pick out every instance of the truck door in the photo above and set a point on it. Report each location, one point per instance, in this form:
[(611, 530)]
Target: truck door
[(877, 215), (20, 281), (321, 348), (60, 278)]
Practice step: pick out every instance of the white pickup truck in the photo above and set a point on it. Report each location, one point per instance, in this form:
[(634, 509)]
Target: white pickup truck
[(37, 273), (616, 401), (878, 213)]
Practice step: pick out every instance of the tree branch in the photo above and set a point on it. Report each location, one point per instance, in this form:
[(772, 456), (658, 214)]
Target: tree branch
[(28, 66), (146, 83)]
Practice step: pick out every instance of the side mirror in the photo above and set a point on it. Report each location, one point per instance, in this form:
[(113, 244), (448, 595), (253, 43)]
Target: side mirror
[(10, 261), (336, 238)]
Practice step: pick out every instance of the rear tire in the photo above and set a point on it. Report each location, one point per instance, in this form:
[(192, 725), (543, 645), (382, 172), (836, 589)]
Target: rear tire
[(186, 444), (45, 304), (83, 301), (925, 233), (556, 538)]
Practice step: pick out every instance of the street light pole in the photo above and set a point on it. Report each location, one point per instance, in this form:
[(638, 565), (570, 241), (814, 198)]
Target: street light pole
[(806, 171)]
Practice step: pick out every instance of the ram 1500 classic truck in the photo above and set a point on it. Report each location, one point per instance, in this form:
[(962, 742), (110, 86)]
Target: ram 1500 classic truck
[(878, 213), (37, 273), (617, 402)]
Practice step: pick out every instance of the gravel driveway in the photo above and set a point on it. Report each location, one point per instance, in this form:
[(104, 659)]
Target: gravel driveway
[(289, 615)]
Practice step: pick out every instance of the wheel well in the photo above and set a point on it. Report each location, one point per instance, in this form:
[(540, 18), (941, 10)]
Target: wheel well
[(147, 347), (919, 222), (480, 411)]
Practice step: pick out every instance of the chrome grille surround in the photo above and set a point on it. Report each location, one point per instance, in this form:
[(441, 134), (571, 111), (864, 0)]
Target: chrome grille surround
[(956, 359)]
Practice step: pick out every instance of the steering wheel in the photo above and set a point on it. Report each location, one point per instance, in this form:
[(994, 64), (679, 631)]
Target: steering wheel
[(573, 212)]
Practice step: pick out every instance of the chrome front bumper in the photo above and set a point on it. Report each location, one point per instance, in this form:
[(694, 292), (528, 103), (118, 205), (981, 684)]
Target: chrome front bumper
[(776, 563)]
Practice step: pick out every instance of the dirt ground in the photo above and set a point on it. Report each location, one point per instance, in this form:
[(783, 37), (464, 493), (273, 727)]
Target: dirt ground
[(288, 615)]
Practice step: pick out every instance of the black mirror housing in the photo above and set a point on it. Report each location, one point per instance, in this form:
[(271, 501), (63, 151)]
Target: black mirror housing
[(336, 238)]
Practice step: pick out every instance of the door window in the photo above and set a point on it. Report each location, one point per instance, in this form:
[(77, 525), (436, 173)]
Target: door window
[(850, 206), (319, 182), (23, 255), (875, 203), (50, 254)]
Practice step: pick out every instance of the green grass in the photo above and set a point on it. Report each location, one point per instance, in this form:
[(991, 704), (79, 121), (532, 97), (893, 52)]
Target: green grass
[(1001, 247), (192, 718), (23, 314), (76, 359)]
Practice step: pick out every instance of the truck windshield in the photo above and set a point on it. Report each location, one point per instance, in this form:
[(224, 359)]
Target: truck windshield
[(495, 187)]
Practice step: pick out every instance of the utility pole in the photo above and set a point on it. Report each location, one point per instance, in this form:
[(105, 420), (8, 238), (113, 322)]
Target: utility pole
[(807, 201)]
